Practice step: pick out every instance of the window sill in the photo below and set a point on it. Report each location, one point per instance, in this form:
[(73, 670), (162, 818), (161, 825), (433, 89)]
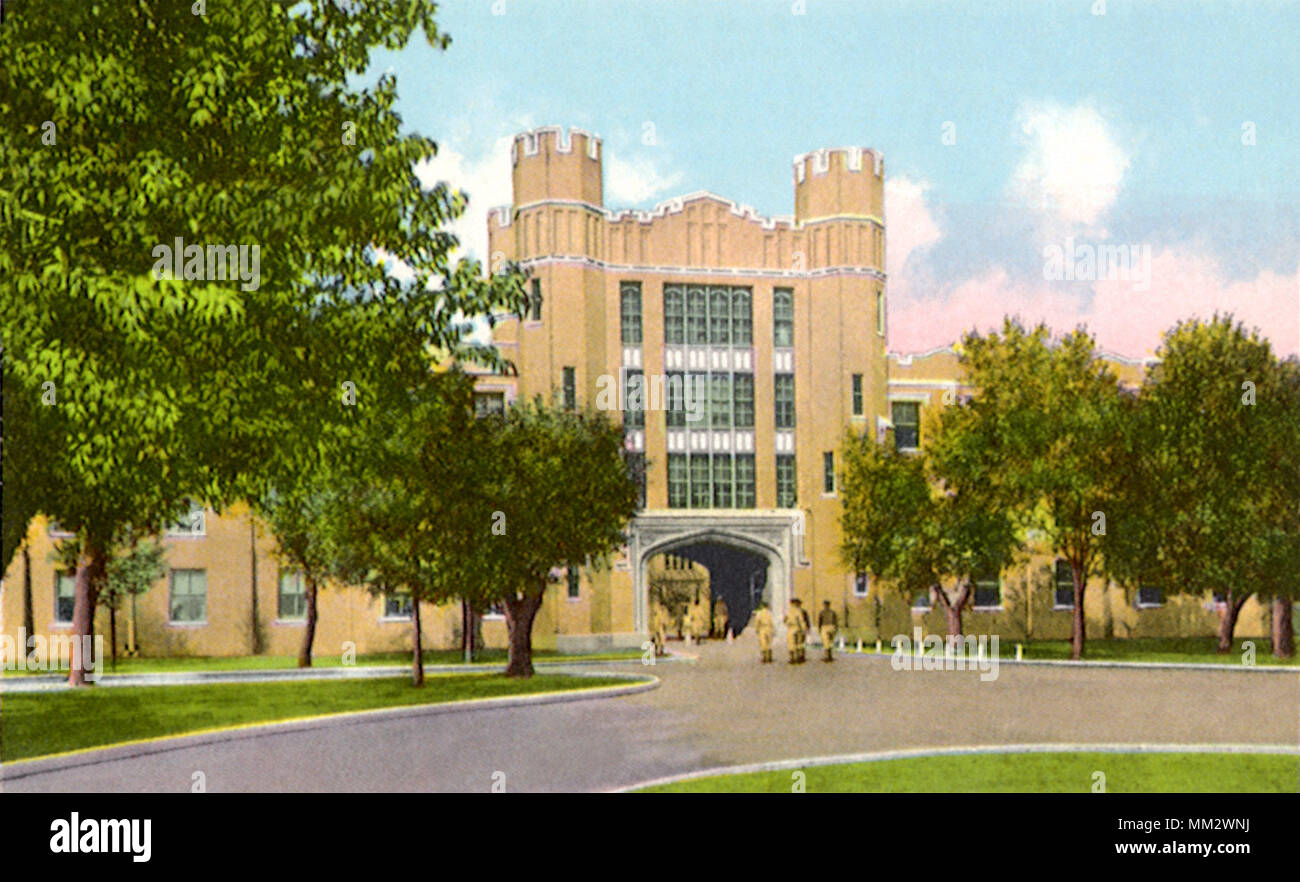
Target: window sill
[(1058, 608), (187, 624), (988, 609), (395, 619), (289, 622)]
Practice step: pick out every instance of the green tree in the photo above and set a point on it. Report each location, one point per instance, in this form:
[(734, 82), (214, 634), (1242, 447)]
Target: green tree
[(905, 524), (134, 564), (1209, 500), (555, 490), (1041, 437), (246, 126)]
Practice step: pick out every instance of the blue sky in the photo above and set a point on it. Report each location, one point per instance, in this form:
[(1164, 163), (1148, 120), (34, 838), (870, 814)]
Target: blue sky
[(1171, 128)]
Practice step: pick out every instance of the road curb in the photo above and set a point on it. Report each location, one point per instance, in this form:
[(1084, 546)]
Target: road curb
[(922, 752), (90, 756)]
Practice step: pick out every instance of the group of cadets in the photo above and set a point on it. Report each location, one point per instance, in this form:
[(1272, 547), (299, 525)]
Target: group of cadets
[(695, 624)]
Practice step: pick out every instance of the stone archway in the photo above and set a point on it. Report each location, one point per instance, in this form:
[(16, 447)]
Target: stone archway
[(775, 536)]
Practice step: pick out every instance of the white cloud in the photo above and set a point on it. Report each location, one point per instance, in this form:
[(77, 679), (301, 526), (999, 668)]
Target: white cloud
[(910, 224), (1074, 165), (485, 181), (632, 182)]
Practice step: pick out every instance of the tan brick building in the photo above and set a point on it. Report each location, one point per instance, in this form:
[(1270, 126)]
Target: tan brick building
[(779, 323)]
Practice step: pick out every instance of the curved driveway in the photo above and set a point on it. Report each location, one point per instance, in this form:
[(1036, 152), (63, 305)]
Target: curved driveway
[(725, 710)]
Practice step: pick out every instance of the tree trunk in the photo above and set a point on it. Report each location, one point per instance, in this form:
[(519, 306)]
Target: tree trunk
[(1283, 630), (467, 619), (29, 625), (112, 631), (1228, 624), (953, 610), (90, 573), (520, 612), (309, 632), (1078, 629), (417, 648)]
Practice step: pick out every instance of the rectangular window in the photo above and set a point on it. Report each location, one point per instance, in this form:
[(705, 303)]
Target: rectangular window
[(397, 605), (575, 584), (742, 397), (783, 404), (786, 493), (1150, 595), (828, 472), (697, 401), (988, 590), (742, 317), (722, 480), (720, 401), (783, 317), (697, 316), (675, 406), (293, 596), (189, 600), (880, 313), (636, 468), (906, 416), (745, 495), (678, 481), (857, 394), (630, 316), (634, 399), (719, 316), (1064, 586), (535, 301), (488, 403), (65, 596), (674, 315), (701, 494), (570, 389), (921, 599), (861, 585)]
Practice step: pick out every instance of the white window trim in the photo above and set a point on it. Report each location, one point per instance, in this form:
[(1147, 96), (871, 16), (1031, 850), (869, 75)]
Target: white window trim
[(999, 607), (55, 621), (171, 596), (853, 585)]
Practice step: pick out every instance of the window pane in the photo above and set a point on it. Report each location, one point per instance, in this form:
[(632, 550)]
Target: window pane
[(631, 312), (674, 315), (293, 596), (189, 596), (634, 401), (906, 416), (743, 400), (1064, 584), (988, 591), (860, 585), (676, 403), (784, 400), (701, 496), (786, 493), (570, 389), (575, 585), (857, 394), (828, 472), (678, 482), (720, 404), (719, 316), (697, 316), (722, 480), (65, 596), (636, 468), (744, 481), (535, 300), (742, 317), (697, 401), (783, 317)]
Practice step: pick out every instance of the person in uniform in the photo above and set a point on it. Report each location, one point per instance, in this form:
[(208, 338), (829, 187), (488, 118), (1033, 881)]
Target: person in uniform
[(699, 622), (764, 628), (827, 624), (660, 623), (720, 619), (796, 624)]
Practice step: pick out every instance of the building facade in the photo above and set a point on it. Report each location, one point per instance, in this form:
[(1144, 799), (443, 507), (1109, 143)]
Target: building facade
[(738, 349)]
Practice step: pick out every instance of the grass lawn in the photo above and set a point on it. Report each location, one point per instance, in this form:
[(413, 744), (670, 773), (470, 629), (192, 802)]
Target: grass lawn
[(1026, 773), (1201, 650), (37, 724), (1184, 650), (280, 662)]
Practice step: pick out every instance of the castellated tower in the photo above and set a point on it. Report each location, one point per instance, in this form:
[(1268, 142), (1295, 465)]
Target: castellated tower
[(840, 320)]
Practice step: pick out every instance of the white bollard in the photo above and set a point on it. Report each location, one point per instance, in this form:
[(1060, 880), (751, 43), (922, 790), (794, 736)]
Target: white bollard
[(730, 636), (841, 643), (877, 646), (1020, 652), (859, 644)]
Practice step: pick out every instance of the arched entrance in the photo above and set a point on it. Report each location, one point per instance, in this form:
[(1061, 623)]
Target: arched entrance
[(736, 547)]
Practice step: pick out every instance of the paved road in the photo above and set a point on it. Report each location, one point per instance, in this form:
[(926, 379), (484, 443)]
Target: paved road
[(725, 710)]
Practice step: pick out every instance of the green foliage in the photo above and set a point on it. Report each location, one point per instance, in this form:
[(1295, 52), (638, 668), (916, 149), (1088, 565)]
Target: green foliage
[(135, 563), (1212, 497)]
